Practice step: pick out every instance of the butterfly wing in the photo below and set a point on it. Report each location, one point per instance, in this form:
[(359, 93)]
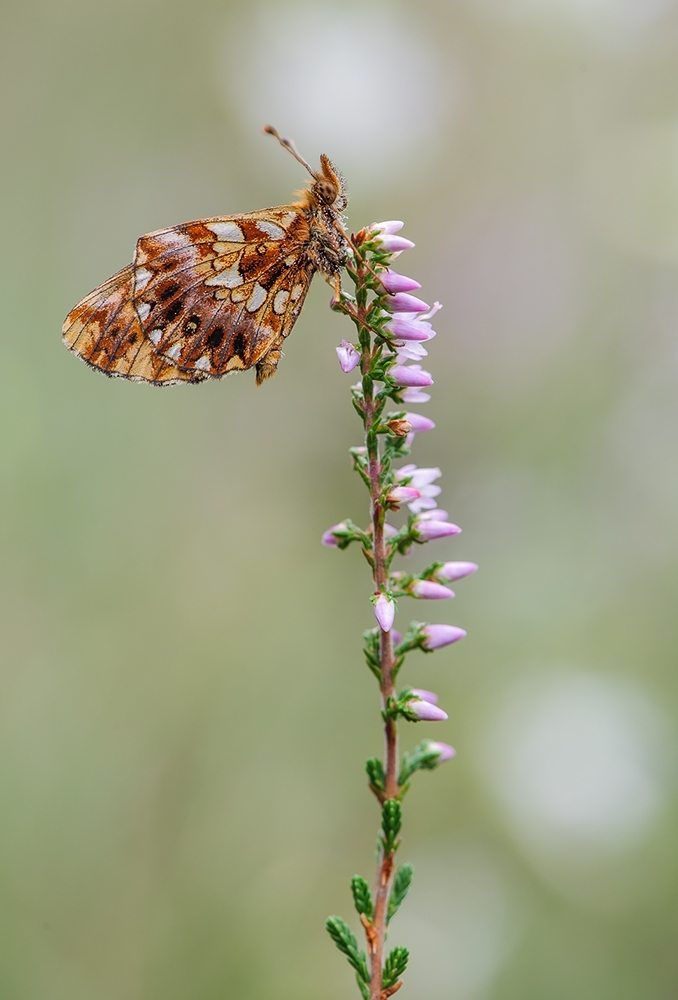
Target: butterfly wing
[(104, 330), (221, 294)]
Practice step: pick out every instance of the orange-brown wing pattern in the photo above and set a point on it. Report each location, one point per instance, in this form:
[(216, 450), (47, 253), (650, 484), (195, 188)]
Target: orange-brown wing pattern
[(104, 330), (220, 295)]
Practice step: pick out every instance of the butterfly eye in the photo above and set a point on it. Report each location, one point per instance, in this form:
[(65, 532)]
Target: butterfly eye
[(326, 191)]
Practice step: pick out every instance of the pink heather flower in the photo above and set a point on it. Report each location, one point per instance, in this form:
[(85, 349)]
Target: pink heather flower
[(436, 307), (384, 612), (404, 302), (411, 375), (430, 590), (394, 282), (399, 494), (455, 570), (420, 479), (393, 244), (426, 712), (444, 750), (348, 356), (433, 515), (403, 327), (410, 352), (415, 396), (392, 226), (329, 538), (436, 636), (427, 531), (396, 637), (430, 696), (419, 423)]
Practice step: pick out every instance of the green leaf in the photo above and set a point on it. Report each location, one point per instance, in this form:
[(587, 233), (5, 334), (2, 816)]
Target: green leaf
[(375, 772), (394, 966), (345, 940), (363, 987), (391, 821), (401, 886), (362, 897)]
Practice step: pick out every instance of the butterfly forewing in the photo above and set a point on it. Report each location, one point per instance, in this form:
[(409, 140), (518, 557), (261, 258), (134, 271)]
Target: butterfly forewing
[(221, 294), (104, 330)]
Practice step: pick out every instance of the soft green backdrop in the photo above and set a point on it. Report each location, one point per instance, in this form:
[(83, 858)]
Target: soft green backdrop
[(184, 711)]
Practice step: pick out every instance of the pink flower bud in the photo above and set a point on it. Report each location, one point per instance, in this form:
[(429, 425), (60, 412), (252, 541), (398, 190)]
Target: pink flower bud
[(429, 696), (392, 226), (455, 570), (427, 531), (384, 612), (348, 356), (415, 396), (436, 636), (403, 327), (427, 712), (400, 494), (430, 590), (433, 515), (396, 637), (404, 302), (393, 244), (394, 282), (410, 375), (419, 423), (329, 538), (444, 750)]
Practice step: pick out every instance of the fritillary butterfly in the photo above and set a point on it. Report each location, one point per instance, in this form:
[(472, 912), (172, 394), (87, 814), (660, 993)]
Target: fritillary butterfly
[(214, 296)]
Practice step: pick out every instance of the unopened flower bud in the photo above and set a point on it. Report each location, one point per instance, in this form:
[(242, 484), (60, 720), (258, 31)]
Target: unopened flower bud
[(392, 226), (436, 636), (429, 696), (384, 612), (348, 356), (404, 302), (329, 537), (410, 375), (402, 494), (427, 531), (401, 428), (444, 750), (418, 423), (394, 282), (393, 244), (426, 712), (403, 327), (430, 590), (455, 570)]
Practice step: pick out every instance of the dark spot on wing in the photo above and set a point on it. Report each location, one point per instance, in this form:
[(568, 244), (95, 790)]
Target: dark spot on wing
[(168, 292), (216, 336), (174, 310)]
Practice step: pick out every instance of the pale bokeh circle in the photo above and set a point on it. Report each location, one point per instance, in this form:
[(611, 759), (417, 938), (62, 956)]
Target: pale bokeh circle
[(368, 87)]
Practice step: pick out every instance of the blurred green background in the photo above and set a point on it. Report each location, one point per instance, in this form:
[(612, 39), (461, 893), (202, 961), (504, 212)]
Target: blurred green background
[(185, 712)]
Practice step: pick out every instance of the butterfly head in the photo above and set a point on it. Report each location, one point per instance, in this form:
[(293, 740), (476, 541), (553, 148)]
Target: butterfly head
[(327, 189)]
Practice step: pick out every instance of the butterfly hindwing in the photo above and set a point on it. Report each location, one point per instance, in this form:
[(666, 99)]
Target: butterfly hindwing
[(104, 330), (221, 294)]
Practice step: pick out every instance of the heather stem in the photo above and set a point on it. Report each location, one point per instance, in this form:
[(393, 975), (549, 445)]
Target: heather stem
[(380, 575)]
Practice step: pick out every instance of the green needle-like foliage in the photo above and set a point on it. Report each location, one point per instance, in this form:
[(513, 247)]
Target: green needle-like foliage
[(401, 886), (345, 940), (394, 966), (375, 772), (362, 897), (391, 821)]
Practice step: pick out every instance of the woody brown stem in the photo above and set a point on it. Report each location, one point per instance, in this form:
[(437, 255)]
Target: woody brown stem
[(380, 574)]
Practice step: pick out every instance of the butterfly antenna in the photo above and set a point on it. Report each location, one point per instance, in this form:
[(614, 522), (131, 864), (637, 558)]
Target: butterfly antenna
[(288, 144)]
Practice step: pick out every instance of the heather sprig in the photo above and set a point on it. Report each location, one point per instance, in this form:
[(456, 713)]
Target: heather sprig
[(392, 326)]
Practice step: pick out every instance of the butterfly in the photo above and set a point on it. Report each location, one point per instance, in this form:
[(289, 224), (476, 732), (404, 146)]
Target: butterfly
[(214, 296)]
